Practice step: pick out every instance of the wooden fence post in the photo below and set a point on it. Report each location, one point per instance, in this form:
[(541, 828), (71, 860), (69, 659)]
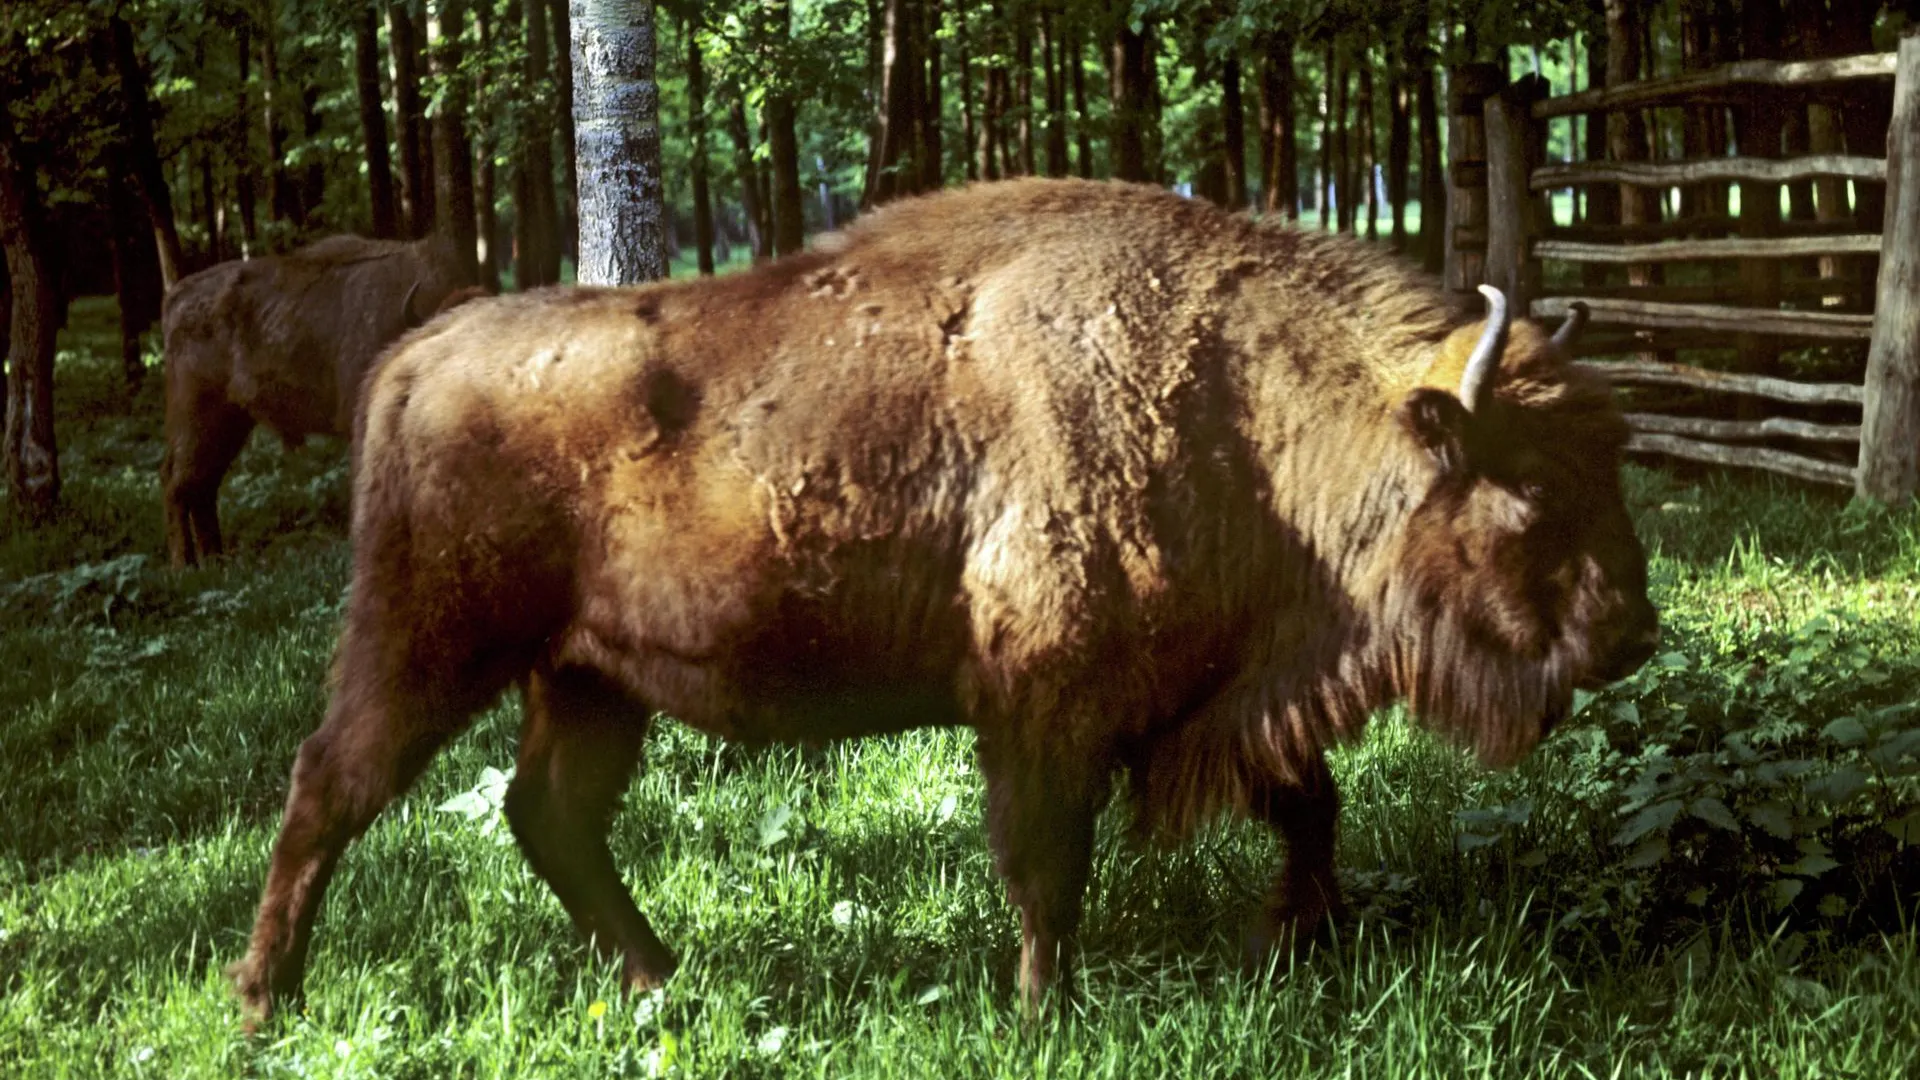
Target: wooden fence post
[(1890, 424), (1468, 86), (1516, 146)]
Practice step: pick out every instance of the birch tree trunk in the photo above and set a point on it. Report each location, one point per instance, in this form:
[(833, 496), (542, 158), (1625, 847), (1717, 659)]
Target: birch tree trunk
[(616, 112)]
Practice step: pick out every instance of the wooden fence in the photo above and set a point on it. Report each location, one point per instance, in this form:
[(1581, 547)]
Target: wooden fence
[(1502, 229)]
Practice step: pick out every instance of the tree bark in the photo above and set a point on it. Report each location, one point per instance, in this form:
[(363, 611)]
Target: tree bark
[(452, 153), (1433, 177), (932, 170), (1279, 144), (987, 151), (535, 228), (1758, 126), (617, 133), (893, 169), (1363, 129), (32, 456), (136, 128), (1399, 139), (1023, 89), (1326, 139), (697, 130), (1233, 114), (568, 197), (1077, 77), (1626, 129), (1052, 62), (964, 57), (1128, 80), (282, 196), (416, 146), (759, 235), (486, 146), (373, 121), (1345, 198), (783, 144)]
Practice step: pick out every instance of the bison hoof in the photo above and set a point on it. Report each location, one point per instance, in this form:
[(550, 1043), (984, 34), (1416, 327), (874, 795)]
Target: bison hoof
[(1275, 940), (645, 975), (257, 996)]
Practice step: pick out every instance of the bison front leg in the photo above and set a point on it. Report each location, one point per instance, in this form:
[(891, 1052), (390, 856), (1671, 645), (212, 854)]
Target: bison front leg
[(1307, 894), (1040, 816), (379, 734), (203, 438), (578, 749)]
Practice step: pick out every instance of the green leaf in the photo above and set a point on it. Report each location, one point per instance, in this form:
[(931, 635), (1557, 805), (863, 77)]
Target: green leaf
[(1847, 731), (931, 994), (1697, 895), (1838, 786), (1785, 890), (1650, 852), (1659, 816), (773, 825), (1810, 866), (1906, 830), (1833, 905), (1714, 812), (1773, 817)]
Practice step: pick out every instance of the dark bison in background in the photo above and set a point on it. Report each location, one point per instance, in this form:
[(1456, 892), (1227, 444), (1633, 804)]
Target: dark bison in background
[(1122, 482), (282, 341)]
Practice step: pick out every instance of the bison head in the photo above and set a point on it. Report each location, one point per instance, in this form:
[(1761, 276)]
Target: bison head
[(1518, 577)]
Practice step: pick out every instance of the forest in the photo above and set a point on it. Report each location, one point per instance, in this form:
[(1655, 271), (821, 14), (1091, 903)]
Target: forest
[(1709, 869)]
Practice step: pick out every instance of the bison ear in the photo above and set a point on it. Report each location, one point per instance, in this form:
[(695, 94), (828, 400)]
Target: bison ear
[(1439, 423)]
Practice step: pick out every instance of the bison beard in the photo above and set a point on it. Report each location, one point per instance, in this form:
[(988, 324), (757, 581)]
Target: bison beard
[(1120, 481), (282, 341)]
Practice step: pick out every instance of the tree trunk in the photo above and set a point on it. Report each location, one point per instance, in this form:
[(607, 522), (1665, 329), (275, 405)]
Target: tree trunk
[(416, 147), (1082, 126), (932, 170), (1696, 54), (1128, 80), (373, 121), (1326, 139), (281, 194), (1052, 61), (892, 169), (32, 456), (568, 198), (617, 133), (211, 218), (452, 154), (697, 129), (1233, 115), (1863, 119), (759, 236), (1345, 198), (123, 225), (987, 151), (1279, 147), (486, 173), (964, 57), (313, 178), (242, 145), (1023, 89), (136, 127), (535, 229), (1433, 177), (1363, 129), (1602, 200), (1400, 134), (1626, 129), (1758, 126), (783, 144)]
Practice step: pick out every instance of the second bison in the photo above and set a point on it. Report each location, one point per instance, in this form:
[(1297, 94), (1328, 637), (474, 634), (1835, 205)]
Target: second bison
[(282, 341), (1124, 483)]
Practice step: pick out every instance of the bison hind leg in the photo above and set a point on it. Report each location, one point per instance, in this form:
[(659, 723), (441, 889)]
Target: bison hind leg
[(578, 749)]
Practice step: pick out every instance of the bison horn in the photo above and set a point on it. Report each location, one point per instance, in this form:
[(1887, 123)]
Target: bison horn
[(1476, 382), (1576, 321), (407, 314)]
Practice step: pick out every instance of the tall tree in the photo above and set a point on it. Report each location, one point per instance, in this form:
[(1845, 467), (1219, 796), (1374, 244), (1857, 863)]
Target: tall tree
[(893, 167), (373, 120), (759, 227), (1128, 77), (932, 172), (535, 227), (1279, 141), (416, 145), (452, 153), (617, 133), (783, 143), (32, 456), (1363, 132), (1233, 115), (1053, 68), (136, 130), (697, 130), (282, 195), (1082, 120), (568, 197), (242, 147), (486, 138)]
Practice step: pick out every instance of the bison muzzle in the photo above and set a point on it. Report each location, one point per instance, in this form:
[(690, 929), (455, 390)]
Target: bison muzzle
[(283, 341), (1124, 483)]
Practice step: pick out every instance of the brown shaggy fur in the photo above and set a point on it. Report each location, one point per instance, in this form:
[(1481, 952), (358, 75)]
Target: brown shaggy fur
[(282, 341), (1120, 481)]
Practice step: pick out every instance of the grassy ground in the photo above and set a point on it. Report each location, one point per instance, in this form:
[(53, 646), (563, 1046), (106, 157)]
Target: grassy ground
[(1708, 874)]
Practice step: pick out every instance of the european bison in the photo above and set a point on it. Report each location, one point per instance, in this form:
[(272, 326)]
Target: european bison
[(282, 341), (1120, 481)]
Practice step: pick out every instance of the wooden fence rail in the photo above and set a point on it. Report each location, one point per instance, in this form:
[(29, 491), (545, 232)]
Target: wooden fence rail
[(1503, 171)]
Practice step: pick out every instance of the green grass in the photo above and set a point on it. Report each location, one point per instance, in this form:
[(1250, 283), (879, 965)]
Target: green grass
[(836, 912)]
